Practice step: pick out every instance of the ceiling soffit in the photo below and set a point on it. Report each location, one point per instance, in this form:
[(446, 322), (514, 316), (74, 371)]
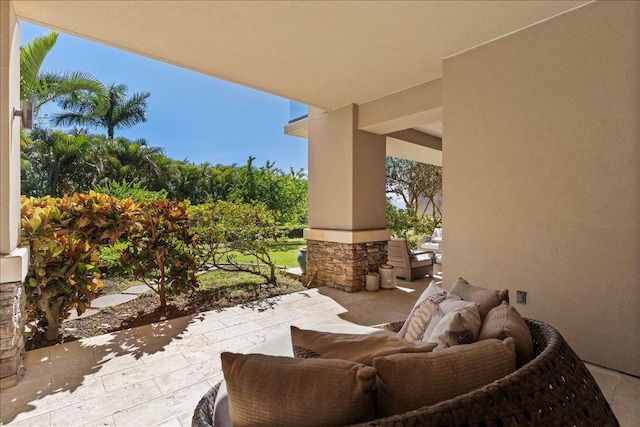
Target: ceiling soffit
[(322, 53)]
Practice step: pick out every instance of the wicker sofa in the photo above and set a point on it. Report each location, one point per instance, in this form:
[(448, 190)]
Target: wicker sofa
[(554, 389)]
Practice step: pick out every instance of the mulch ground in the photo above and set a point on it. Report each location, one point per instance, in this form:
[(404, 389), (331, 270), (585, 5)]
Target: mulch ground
[(146, 309)]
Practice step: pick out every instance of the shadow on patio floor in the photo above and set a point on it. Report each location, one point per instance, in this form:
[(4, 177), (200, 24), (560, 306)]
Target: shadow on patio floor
[(372, 308)]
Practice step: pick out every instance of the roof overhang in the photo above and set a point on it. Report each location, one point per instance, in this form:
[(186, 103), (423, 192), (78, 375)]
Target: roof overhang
[(322, 53)]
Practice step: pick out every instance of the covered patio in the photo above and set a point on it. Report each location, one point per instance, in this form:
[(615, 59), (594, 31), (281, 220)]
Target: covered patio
[(154, 375), (532, 109)]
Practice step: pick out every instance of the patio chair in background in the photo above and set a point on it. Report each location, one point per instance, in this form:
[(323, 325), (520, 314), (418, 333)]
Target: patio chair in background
[(409, 265)]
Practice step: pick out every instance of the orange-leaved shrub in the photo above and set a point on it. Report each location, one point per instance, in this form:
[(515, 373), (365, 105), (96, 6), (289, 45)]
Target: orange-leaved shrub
[(162, 248), (64, 236)]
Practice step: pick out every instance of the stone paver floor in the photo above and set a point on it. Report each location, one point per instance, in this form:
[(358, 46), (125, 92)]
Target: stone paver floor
[(155, 374)]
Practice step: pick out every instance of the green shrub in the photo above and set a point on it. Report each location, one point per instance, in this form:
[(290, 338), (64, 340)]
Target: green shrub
[(110, 263), (403, 225), (226, 230), (292, 231), (131, 190)]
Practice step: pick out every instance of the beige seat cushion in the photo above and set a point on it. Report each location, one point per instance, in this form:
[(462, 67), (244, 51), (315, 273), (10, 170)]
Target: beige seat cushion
[(486, 298), (505, 321), (411, 381), (283, 391), (361, 348)]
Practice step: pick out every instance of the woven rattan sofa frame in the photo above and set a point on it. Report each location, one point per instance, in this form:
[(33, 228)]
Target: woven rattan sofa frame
[(554, 389)]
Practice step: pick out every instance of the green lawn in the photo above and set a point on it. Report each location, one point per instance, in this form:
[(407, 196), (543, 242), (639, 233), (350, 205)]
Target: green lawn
[(283, 254), (226, 279)]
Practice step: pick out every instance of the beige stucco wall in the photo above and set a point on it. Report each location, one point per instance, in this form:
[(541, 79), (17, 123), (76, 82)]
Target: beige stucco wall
[(346, 173), (538, 125), (9, 129)]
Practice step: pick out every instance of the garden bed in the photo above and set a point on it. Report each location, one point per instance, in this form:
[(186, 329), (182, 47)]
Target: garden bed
[(217, 290)]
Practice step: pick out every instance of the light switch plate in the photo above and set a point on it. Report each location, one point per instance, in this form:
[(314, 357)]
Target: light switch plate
[(521, 297)]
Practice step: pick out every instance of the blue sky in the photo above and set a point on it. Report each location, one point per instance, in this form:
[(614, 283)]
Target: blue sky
[(190, 115)]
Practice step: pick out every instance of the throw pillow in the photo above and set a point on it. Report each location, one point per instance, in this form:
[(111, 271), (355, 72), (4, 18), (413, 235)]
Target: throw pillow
[(361, 348), (415, 327), (505, 321), (411, 381), (422, 320), (433, 288), (451, 303), (487, 299), (283, 391), (460, 326)]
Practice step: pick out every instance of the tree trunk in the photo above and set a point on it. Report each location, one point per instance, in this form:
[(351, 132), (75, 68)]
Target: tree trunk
[(272, 279), (163, 295), (52, 312)]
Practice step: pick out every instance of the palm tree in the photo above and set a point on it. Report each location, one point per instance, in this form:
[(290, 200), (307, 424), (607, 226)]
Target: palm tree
[(114, 111), (41, 88), (57, 163), (131, 161)]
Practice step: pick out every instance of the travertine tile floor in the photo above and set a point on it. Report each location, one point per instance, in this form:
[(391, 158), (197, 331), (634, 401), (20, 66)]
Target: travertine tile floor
[(155, 374)]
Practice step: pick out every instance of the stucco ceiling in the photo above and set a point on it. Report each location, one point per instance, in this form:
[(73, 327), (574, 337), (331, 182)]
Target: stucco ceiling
[(322, 53)]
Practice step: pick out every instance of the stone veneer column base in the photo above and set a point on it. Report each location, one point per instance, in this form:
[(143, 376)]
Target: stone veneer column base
[(343, 266), (12, 300)]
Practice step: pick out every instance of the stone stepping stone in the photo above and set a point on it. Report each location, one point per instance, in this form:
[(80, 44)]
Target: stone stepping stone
[(111, 300), (88, 312), (137, 290)]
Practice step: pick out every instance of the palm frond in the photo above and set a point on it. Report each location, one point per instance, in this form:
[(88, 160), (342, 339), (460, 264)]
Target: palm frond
[(32, 56), (73, 83)]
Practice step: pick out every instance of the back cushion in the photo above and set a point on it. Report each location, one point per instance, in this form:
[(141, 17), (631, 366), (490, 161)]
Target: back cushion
[(411, 381), (486, 298), (505, 321), (361, 348), (283, 391)]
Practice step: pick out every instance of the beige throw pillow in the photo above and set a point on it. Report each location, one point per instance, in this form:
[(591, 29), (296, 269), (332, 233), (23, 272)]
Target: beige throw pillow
[(411, 381), (450, 304), (283, 391), (425, 312), (416, 325), (505, 321), (487, 299), (361, 348), (433, 288), (460, 326)]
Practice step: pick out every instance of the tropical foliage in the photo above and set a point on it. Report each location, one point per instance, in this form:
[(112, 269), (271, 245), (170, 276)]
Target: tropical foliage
[(57, 163), (227, 229), (41, 88), (64, 236), (402, 223), (110, 111), (129, 190), (416, 183), (162, 249)]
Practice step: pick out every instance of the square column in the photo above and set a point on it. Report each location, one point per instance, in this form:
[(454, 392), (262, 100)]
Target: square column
[(339, 259), (347, 233), (13, 260)]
